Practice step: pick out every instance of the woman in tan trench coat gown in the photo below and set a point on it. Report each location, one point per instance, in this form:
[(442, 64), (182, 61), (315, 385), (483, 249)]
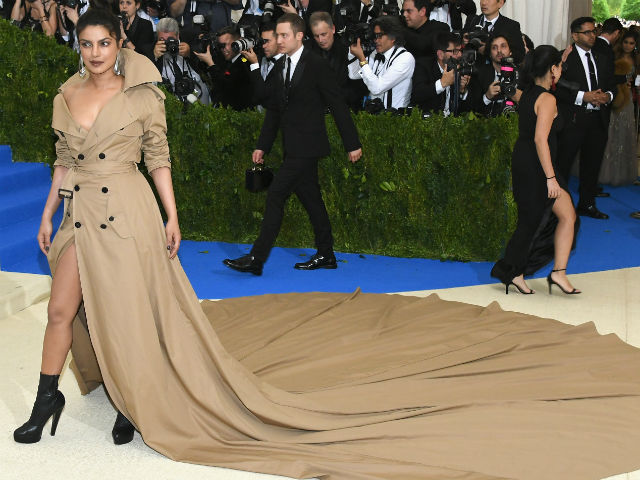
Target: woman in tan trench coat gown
[(335, 386)]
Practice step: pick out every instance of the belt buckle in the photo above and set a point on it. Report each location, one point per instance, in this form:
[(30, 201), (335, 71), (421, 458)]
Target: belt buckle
[(64, 193)]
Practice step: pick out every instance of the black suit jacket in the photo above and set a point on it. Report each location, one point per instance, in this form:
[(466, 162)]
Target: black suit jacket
[(574, 71), (468, 7), (424, 95), (232, 84), (507, 27), (264, 88), (419, 42), (140, 33), (300, 115)]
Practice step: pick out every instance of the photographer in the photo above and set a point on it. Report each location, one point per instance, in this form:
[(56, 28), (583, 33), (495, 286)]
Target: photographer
[(137, 33), (230, 72), (329, 45), (491, 21), (356, 11), (217, 13), (263, 69), (450, 12), (495, 86), (37, 16), (306, 8), (434, 78), (170, 57), (420, 32), (388, 70)]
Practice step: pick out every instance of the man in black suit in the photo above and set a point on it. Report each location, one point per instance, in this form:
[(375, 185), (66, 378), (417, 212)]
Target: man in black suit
[(493, 22), (420, 34), (611, 31), (306, 8), (433, 78), (587, 112), (263, 70), (305, 89), (450, 12)]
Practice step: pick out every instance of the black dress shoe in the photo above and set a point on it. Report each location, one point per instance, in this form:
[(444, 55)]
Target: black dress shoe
[(635, 215), (603, 194), (592, 211), (122, 430), (246, 263), (318, 261)]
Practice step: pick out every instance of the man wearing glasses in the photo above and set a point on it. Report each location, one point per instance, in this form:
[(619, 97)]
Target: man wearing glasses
[(434, 78), (388, 70), (586, 112)]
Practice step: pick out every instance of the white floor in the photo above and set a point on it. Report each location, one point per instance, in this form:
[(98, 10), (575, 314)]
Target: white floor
[(82, 447)]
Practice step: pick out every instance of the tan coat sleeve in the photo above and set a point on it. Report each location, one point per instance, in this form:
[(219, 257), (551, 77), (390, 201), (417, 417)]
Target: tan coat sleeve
[(63, 155), (154, 139)]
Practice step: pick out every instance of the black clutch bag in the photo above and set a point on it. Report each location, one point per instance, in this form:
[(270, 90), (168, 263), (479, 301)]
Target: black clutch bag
[(258, 178)]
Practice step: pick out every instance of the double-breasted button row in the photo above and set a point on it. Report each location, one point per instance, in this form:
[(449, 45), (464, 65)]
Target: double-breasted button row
[(101, 156)]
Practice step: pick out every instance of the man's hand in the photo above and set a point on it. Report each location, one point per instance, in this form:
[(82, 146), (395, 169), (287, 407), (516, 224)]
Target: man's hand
[(288, 8), (205, 57), (356, 51), (596, 97), (184, 49), (464, 82), (493, 91), (159, 49), (355, 155), (258, 156), (249, 55), (448, 77)]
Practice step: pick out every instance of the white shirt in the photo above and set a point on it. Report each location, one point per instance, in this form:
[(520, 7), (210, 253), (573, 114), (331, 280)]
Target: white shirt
[(441, 14), (491, 23), (440, 89), (295, 58), (265, 65), (396, 77), (254, 8), (585, 64)]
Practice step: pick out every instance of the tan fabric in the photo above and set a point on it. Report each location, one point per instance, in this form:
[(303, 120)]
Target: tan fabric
[(335, 386)]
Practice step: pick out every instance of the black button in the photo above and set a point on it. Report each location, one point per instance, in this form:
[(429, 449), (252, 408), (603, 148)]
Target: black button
[(105, 189), (103, 226), (101, 156), (81, 157), (78, 224), (76, 188), (111, 219)]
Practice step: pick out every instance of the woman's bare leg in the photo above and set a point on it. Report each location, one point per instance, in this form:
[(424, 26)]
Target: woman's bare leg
[(563, 240), (66, 296)]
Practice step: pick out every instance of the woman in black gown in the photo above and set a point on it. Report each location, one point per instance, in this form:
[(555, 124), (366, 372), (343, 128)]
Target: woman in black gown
[(546, 216)]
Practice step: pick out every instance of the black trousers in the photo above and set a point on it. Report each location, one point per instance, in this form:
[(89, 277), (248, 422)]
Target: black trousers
[(299, 176), (587, 135)]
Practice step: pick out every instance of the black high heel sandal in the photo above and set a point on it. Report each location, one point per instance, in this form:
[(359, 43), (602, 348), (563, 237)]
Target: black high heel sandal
[(507, 284), (551, 281), (49, 403), (122, 430)]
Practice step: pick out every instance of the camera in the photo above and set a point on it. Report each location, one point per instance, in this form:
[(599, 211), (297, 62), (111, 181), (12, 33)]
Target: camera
[(71, 3), (185, 88), (465, 65), (249, 39), (157, 5), (124, 19), (508, 77), (173, 46), (204, 38), (390, 7), (362, 31), (268, 8), (477, 37)]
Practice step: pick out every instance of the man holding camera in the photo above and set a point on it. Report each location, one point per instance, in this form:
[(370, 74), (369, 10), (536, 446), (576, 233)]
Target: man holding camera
[(263, 70), (450, 12), (494, 88), (304, 89), (434, 78), (491, 21), (421, 31), (230, 74), (170, 57), (388, 70)]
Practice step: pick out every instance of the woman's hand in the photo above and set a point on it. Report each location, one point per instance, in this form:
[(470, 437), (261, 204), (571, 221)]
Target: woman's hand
[(44, 235), (553, 188), (173, 237)]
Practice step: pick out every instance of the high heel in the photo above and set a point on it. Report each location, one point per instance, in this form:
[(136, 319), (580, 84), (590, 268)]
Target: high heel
[(122, 430), (507, 284), (551, 281), (49, 403)]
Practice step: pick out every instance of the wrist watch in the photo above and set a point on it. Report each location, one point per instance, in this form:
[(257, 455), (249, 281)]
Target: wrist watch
[(363, 63)]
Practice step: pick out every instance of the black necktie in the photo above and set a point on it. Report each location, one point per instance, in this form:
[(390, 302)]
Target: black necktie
[(380, 59), (592, 72), (287, 75)]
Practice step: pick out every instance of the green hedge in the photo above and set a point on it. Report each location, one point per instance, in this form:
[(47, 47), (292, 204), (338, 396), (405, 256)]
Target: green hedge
[(436, 188)]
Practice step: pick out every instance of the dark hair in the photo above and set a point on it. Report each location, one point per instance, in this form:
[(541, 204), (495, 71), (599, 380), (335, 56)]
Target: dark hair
[(420, 4), (493, 37), (268, 27), (391, 27), (528, 42), (297, 23), (618, 49), (99, 17), (443, 39), (576, 25), (611, 25), (229, 30), (538, 62)]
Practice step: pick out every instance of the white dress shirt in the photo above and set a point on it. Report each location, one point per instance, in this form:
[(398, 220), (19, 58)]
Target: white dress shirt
[(491, 23), (440, 89), (585, 64), (379, 77), (295, 58), (441, 14)]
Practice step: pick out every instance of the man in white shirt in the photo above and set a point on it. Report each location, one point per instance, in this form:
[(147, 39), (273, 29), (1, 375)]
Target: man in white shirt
[(388, 70), (450, 12)]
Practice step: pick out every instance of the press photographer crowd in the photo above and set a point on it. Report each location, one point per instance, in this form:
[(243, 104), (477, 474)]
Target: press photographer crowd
[(432, 55)]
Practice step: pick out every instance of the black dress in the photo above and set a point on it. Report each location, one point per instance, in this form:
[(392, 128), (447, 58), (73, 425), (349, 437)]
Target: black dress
[(531, 245)]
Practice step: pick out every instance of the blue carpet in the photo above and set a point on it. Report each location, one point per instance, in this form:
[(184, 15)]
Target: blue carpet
[(602, 245)]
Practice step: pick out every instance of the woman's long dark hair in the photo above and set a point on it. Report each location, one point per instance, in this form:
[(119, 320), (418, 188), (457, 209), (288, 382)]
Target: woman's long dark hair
[(99, 17), (538, 62)]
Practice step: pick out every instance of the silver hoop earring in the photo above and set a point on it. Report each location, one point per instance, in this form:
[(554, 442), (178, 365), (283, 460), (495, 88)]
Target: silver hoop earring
[(81, 68), (117, 69)]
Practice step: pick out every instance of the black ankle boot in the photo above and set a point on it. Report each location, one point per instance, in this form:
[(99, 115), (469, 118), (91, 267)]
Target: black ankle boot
[(49, 402), (122, 430)]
